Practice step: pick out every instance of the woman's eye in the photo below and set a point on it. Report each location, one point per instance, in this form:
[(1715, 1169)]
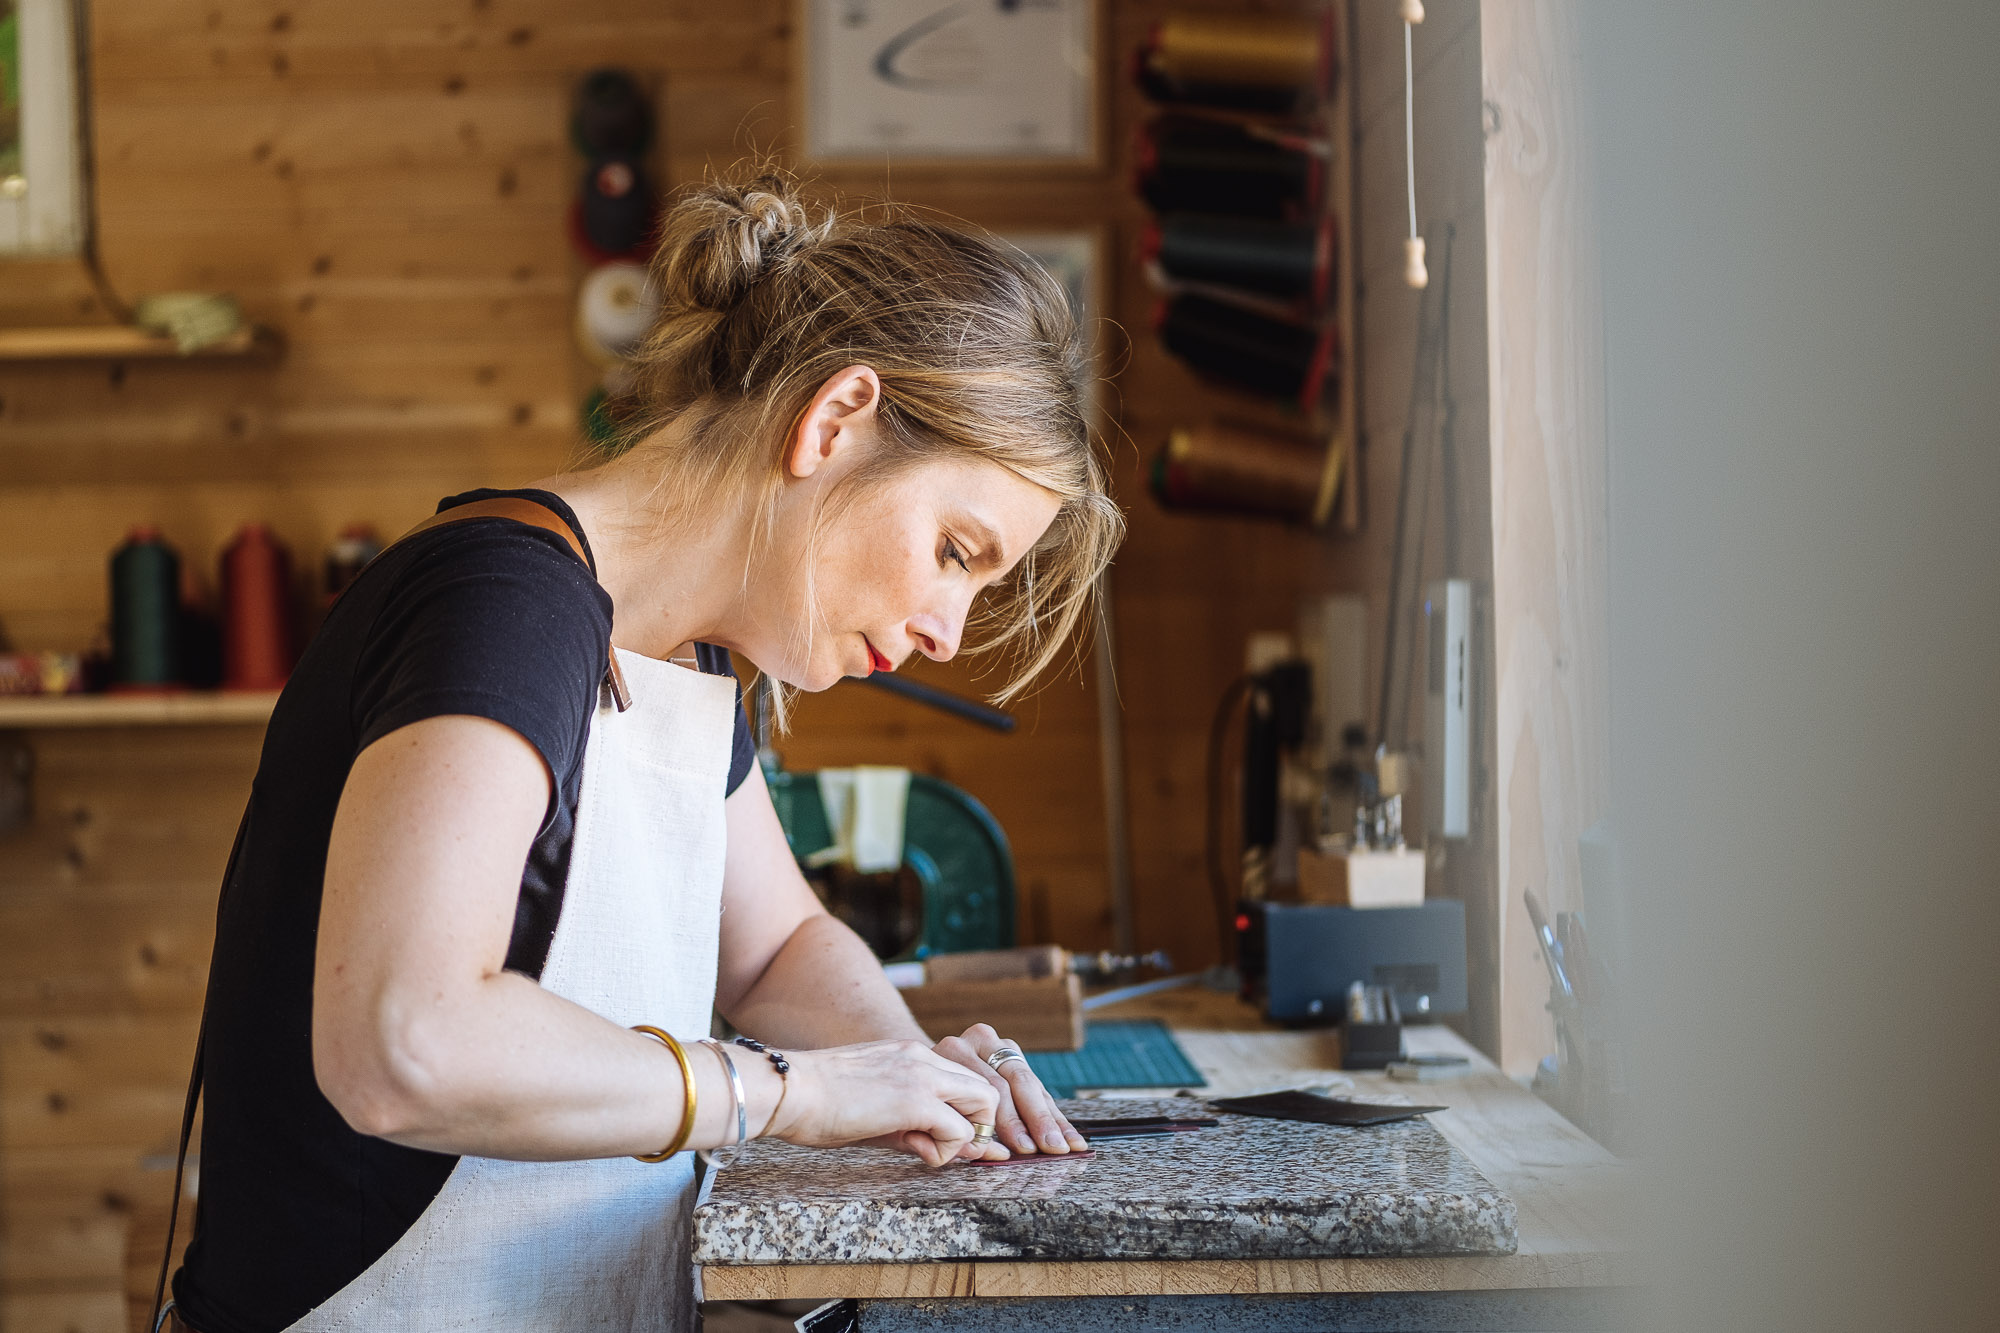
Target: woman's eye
[(951, 552)]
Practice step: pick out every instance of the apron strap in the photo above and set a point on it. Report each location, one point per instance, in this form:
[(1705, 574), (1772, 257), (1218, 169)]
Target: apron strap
[(535, 515)]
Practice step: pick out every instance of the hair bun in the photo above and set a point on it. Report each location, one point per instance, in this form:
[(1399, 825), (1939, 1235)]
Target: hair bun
[(720, 238)]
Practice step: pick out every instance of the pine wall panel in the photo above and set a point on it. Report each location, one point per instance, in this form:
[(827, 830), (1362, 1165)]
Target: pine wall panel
[(384, 182)]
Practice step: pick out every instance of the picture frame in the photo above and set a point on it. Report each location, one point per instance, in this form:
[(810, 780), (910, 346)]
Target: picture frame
[(1007, 83), (1075, 258), (42, 197)]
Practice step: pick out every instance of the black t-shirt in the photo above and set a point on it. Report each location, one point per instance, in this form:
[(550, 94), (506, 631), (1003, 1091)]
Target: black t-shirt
[(487, 617)]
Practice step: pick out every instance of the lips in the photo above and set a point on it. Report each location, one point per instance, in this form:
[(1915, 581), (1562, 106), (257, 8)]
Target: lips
[(875, 659)]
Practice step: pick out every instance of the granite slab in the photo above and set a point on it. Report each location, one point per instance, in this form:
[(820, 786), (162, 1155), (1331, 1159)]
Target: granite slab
[(1247, 1189)]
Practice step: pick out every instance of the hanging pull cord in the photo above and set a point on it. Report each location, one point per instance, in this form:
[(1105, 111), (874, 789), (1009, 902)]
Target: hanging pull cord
[(1414, 272)]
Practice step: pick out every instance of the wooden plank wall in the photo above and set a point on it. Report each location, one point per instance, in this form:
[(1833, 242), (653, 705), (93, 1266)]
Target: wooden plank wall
[(385, 183)]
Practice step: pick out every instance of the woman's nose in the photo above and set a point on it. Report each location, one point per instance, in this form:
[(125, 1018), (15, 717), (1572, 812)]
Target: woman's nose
[(937, 636)]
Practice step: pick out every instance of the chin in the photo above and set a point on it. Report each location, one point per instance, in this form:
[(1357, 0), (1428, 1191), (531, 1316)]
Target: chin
[(811, 677)]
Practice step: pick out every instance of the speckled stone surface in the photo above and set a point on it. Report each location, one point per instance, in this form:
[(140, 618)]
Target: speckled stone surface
[(1247, 1189)]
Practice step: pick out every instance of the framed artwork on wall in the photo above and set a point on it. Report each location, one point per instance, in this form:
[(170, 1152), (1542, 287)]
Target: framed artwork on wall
[(1075, 258), (41, 145), (950, 81)]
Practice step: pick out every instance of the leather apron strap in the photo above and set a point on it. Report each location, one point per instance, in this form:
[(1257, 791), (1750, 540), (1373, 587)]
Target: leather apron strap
[(535, 515)]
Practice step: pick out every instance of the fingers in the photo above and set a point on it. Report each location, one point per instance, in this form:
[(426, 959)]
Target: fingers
[(1033, 1123), (964, 1100), (1008, 1130), (1051, 1129)]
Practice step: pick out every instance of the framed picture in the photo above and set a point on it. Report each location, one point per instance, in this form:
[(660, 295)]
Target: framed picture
[(41, 153), (950, 81), (1075, 258)]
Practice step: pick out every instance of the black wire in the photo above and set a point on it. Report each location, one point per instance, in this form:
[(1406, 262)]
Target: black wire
[(1223, 892)]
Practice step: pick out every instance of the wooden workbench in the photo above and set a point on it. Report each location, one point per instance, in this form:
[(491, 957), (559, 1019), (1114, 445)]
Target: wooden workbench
[(1573, 1231)]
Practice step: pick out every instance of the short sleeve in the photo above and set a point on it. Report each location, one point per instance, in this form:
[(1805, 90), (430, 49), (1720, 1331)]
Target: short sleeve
[(493, 619), (742, 746)]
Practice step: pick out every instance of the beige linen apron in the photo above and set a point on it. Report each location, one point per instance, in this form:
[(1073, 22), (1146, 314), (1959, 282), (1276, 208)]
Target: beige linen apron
[(596, 1244)]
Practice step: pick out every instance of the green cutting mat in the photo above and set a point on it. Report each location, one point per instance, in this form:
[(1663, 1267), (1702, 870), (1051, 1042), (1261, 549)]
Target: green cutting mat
[(1118, 1053)]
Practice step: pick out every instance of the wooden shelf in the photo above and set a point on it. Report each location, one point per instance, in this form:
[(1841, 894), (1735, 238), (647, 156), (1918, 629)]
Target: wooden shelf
[(196, 708), (122, 342)]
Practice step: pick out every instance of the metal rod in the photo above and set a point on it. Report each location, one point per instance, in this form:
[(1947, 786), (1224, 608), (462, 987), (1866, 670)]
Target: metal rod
[(971, 710), (1111, 759)]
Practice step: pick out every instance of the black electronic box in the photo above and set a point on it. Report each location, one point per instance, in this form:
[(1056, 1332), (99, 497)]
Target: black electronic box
[(1298, 959)]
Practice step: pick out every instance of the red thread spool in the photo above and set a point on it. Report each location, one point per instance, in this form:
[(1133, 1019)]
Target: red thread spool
[(257, 652)]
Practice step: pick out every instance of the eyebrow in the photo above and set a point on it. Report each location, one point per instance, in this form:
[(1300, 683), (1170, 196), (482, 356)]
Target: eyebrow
[(988, 540)]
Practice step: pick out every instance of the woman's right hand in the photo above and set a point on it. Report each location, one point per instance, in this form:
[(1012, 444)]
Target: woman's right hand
[(898, 1094)]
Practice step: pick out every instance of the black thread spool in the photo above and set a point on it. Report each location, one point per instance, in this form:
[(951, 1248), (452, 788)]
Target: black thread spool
[(616, 210), (1192, 166), (1290, 261), (612, 117), (1267, 63), (1254, 352), (145, 613)]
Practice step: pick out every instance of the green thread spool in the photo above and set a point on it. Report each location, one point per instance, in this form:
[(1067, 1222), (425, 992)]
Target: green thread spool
[(145, 613)]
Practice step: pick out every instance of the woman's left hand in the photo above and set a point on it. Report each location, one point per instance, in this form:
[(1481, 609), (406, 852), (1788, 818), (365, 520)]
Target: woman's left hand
[(1029, 1120)]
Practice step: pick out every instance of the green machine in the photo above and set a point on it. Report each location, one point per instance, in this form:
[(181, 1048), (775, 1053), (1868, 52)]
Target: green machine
[(955, 891), (951, 844)]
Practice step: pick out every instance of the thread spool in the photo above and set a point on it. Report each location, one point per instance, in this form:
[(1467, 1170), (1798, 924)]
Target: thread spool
[(1287, 260), (256, 611), (1222, 467), (612, 116), (145, 613), (616, 210), (1252, 351), (1195, 166), (1292, 54), (614, 312)]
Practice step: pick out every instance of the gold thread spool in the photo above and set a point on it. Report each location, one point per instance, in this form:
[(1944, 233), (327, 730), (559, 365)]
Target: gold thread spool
[(1263, 50), (1246, 468)]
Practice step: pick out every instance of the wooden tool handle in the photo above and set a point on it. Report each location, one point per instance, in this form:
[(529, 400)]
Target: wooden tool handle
[(1029, 961)]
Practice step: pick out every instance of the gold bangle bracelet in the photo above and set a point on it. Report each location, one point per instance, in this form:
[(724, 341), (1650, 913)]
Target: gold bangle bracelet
[(687, 1082)]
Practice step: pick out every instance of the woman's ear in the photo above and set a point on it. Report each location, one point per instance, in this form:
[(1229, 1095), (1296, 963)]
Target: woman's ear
[(835, 422)]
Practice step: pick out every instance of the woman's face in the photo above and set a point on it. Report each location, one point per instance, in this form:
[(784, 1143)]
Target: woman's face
[(892, 570)]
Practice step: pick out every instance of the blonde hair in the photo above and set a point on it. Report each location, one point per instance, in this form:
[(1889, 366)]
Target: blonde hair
[(763, 298)]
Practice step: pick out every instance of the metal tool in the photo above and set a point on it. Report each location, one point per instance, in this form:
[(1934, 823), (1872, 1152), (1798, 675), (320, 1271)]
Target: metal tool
[(1552, 950)]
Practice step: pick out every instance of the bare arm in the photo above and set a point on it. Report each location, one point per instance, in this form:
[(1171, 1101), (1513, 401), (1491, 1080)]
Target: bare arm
[(420, 1036), (792, 974)]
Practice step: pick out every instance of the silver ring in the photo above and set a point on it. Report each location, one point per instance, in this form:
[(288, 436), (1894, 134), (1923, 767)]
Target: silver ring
[(1003, 1055)]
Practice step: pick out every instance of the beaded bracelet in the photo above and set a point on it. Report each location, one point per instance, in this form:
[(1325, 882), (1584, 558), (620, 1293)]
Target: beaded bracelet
[(777, 1058), (784, 1068), (687, 1084)]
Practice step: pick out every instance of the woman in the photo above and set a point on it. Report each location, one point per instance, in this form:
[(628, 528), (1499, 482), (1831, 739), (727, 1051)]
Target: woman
[(469, 869)]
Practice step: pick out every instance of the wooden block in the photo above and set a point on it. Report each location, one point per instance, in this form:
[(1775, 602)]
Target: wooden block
[(1041, 1014), (1030, 961), (1362, 879)]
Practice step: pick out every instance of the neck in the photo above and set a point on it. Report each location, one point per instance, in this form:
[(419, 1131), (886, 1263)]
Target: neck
[(671, 582)]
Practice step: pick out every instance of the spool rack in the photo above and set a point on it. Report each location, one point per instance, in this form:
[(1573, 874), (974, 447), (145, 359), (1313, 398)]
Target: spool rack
[(1336, 423)]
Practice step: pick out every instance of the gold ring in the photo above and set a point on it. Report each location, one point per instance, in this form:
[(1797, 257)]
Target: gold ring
[(981, 1134)]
